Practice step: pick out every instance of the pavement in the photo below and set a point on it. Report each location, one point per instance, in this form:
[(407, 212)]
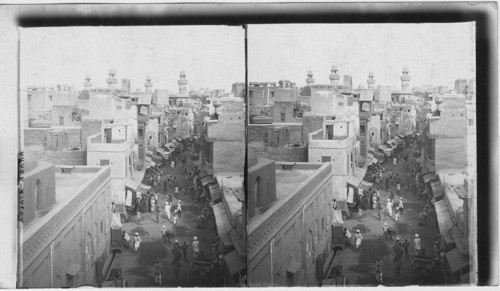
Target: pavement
[(138, 270), (359, 266)]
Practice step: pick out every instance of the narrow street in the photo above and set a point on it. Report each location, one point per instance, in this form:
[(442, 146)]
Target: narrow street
[(359, 266), (138, 269)]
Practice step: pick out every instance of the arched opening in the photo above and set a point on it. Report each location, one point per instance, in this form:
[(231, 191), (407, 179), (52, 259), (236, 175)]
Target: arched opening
[(38, 195), (257, 191)]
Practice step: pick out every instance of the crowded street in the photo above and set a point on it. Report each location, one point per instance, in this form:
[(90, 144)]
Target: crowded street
[(167, 239), (392, 238)]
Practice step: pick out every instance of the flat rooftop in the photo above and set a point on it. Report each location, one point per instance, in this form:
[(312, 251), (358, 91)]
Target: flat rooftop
[(288, 184), (68, 187)]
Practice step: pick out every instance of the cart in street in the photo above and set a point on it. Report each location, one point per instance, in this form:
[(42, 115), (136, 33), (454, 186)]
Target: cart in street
[(421, 270)]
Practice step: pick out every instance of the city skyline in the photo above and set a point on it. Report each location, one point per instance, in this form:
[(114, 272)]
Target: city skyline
[(48, 58), (430, 51)]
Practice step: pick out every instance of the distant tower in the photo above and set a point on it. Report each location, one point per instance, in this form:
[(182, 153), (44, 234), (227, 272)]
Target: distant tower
[(87, 83), (334, 77), (405, 80), (310, 79), (370, 81), (112, 80), (148, 85), (183, 83)]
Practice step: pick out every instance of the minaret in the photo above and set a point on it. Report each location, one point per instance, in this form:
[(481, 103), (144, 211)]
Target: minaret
[(310, 79), (87, 83), (148, 85), (112, 80), (370, 81), (405, 80), (182, 83), (334, 77)]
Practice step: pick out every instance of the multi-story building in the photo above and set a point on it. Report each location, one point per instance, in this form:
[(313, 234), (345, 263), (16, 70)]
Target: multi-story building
[(238, 89), (41, 99), (66, 225), (263, 94), (225, 136), (113, 147), (289, 211), (461, 86)]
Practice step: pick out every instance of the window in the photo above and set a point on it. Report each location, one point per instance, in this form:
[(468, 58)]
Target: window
[(141, 132), (326, 159), (362, 129), (251, 94), (341, 104), (61, 120), (471, 122), (104, 162), (118, 107), (272, 94), (29, 97), (282, 116), (50, 97)]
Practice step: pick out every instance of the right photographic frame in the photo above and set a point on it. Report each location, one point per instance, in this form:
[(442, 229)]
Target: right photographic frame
[(361, 154)]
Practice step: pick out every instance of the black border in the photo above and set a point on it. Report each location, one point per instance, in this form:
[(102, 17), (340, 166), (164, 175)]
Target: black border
[(483, 13)]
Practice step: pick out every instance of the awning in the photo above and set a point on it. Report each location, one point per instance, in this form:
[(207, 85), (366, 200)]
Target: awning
[(235, 263), (437, 189), (354, 181), (207, 180), (132, 184), (177, 144), (178, 139), (445, 223), (73, 269), (169, 145), (215, 191), (116, 221), (160, 151), (293, 267), (337, 217), (365, 186), (143, 188), (401, 135), (222, 219), (391, 142), (456, 260), (157, 158), (429, 177), (149, 153)]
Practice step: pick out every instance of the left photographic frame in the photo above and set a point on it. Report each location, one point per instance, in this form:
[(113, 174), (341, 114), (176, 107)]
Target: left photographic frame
[(134, 149)]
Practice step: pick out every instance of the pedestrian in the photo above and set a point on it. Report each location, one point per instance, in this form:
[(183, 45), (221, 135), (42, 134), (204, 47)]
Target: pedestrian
[(176, 251), (164, 234), (126, 238), (347, 236), (157, 213), (152, 203), (396, 216), (165, 185), (405, 245), (138, 217), (385, 228), (398, 189), (196, 247), (172, 165), (113, 208), (394, 161), (176, 216), (156, 197), (179, 208), (184, 249), (378, 270), (389, 207), (359, 238), (416, 242), (167, 209), (176, 191), (137, 242), (401, 208), (397, 266), (158, 271), (177, 266), (379, 207)]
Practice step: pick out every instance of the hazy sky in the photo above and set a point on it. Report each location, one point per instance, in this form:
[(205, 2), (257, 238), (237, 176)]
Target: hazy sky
[(434, 53), (212, 56)]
